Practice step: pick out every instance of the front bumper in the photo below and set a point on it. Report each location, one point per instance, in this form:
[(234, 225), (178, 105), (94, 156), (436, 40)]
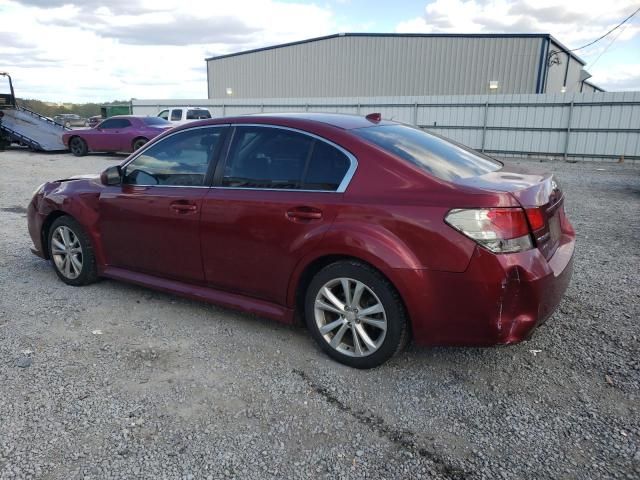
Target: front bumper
[(35, 221), (499, 299)]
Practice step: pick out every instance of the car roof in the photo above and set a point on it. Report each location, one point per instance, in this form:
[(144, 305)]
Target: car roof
[(338, 120), (127, 116)]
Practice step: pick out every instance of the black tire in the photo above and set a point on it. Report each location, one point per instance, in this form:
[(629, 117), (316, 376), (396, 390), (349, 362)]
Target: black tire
[(138, 143), (88, 272), (380, 290), (78, 147)]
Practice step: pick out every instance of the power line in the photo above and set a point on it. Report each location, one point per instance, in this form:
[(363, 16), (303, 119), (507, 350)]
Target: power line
[(612, 30), (606, 48)]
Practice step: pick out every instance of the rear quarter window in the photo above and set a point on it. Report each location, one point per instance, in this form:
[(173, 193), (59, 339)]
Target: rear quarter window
[(327, 167), (435, 155), (198, 114)]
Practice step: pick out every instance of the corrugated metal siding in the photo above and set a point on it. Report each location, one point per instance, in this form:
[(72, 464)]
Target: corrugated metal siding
[(377, 66), (578, 125), (556, 72)]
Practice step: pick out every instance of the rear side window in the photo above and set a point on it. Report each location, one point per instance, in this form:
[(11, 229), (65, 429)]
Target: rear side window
[(198, 114), (275, 158), (435, 155), (176, 115)]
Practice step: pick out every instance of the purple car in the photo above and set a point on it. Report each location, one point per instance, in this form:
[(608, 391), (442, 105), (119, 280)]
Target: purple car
[(124, 133)]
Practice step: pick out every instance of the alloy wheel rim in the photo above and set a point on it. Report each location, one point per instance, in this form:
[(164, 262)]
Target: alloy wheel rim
[(350, 317), (66, 252), (76, 145)]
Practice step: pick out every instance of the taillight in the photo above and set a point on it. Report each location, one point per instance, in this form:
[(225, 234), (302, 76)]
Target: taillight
[(500, 230), (536, 218)]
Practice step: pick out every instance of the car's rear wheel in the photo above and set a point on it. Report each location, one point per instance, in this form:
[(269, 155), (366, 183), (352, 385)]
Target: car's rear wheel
[(355, 314), (71, 252), (78, 147), (138, 143)]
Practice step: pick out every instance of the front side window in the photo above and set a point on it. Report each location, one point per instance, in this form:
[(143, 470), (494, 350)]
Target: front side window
[(275, 158), (164, 114), (113, 123), (107, 124), (198, 114), (181, 159), (176, 115), (433, 154)]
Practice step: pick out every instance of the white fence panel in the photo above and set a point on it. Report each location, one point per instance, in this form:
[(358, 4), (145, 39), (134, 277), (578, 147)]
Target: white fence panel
[(579, 125)]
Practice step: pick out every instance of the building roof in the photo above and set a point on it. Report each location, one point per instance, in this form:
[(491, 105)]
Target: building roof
[(406, 35)]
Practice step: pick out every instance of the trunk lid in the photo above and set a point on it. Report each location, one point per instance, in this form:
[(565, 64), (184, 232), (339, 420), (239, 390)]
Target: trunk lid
[(538, 193)]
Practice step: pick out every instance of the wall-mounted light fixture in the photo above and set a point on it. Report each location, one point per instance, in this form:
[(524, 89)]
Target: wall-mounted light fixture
[(229, 91), (493, 84)]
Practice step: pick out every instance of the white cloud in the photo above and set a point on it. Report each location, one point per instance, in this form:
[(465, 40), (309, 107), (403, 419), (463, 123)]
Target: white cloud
[(67, 50), (619, 77), (572, 21), (92, 50)]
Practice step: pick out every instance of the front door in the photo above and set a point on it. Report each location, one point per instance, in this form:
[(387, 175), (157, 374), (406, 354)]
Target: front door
[(150, 223), (107, 136), (275, 197)]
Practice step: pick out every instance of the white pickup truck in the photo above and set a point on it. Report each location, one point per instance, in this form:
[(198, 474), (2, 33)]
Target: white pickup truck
[(180, 115)]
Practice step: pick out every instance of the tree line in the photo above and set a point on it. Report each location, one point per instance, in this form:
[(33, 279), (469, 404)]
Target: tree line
[(85, 110)]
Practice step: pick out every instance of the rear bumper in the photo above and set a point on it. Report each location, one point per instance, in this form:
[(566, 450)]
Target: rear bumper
[(499, 299)]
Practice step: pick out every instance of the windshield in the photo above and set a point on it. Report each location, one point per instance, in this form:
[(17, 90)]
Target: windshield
[(156, 121), (435, 155)]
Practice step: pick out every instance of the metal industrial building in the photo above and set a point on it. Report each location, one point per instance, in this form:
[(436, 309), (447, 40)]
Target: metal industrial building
[(374, 65)]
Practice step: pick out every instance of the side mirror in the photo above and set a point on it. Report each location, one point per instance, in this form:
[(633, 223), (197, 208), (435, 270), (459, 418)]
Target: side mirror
[(111, 176)]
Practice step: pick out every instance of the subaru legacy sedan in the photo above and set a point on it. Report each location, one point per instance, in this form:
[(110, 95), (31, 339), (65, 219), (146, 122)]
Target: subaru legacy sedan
[(371, 232)]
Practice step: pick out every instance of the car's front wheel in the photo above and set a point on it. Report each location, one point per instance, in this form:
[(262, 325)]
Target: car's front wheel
[(78, 147), (355, 314), (71, 252)]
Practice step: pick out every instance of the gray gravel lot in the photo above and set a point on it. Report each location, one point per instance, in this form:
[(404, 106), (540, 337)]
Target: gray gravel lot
[(116, 381)]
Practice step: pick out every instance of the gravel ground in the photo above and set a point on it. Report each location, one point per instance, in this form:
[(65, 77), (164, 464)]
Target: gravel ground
[(116, 381)]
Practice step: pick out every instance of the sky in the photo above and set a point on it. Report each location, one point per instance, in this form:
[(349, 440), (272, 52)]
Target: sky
[(96, 50)]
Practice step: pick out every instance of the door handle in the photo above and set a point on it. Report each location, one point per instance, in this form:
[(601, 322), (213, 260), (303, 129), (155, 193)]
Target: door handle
[(307, 214), (183, 206)]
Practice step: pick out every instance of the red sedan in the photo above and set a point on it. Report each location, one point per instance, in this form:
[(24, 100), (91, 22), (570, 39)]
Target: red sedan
[(123, 133), (371, 231)]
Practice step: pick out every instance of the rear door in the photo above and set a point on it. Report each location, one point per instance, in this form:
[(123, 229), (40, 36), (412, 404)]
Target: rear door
[(273, 199), (150, 223)]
